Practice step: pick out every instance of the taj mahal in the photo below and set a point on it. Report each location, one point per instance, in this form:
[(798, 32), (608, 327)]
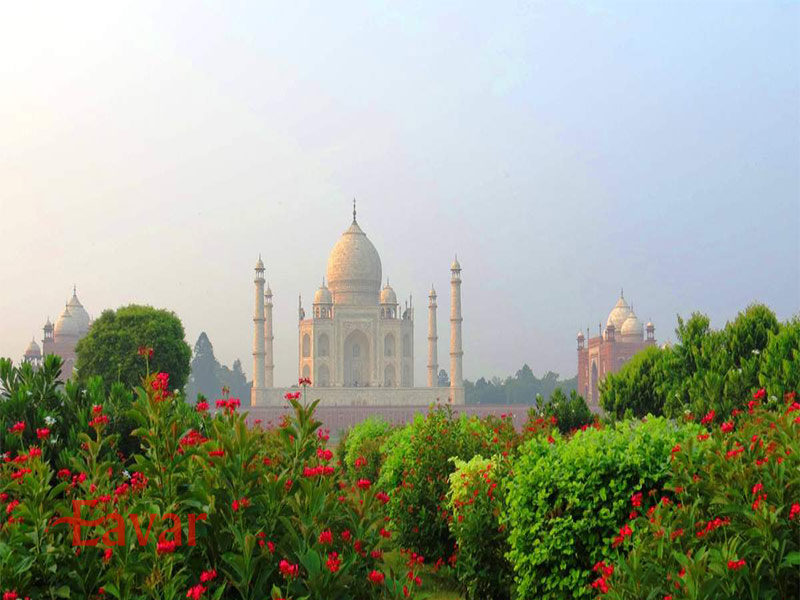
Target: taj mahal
[(357, 343)]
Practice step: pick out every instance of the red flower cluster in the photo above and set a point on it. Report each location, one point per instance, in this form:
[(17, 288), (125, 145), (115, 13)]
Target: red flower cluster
[(376, 577), (304, 381), (360, 462), (605, 572), (196, 592), (364, 484), (18, 427), (709, 418), (319, 471), (711, 526), (624, 532), (727, 427), (324, 454), (43, 433), (242, 502), (334, 562), (292, 395), (145, 351), (231, 404), (326, 537), (735, 565), (166, 547), (288, 570), (201, 407)]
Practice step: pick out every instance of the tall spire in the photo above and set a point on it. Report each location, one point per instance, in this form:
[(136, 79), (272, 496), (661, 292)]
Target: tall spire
[(354, 210), (259, 350)]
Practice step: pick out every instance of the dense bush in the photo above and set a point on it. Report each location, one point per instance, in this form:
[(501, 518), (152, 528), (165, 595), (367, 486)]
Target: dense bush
[(566, 500), (417, 470), (363, 457), (728, 524), (706, 370), (475, 501), (277, 520), (780, 362), (109, 350), (570, 412)]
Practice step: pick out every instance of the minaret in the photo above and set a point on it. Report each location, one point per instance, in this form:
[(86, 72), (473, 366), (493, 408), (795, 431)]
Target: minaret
[(269, 367), (433, 340), (456, 354), (257, 393)]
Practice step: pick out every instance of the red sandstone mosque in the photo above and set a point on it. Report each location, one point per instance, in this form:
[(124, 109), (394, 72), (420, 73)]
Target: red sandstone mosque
[(623, 337)]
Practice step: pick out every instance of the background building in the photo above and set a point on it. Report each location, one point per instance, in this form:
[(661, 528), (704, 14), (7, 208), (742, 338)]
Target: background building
[(624, 336), (61, 339), (357, 337)]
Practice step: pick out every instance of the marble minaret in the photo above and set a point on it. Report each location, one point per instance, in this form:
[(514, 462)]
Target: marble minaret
[(258, 337), (269, 366), (456, 354), (433, 340)]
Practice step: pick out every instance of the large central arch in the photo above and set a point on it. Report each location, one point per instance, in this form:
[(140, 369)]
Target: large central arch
[(356, 360)]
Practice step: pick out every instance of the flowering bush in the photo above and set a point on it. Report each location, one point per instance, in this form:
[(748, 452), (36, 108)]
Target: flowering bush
[(363, 456), (417, 470), (780, 361), (566, 499), (730, 524), (570, 412), (209, 508), (475, 501)]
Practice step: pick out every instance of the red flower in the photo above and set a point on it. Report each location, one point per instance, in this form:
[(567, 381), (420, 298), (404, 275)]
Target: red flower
[(364, 484), (18, 427), (326, 537), (735, 565), (676, 448), (727, 427), (636, 499), (383, 497), (708, 418), (757, 488), (288, 570), (361, 462), (324, 455), (240, 503), (346, 536), (376, 577), (107, 555), (145, 351), (166, 547), (12, 595), (42, 433), (292, 395), (196, 592), (160, 382), (208, 575), (304, 381), (201, 407), (385, 534), (759, 395), (334, 562)]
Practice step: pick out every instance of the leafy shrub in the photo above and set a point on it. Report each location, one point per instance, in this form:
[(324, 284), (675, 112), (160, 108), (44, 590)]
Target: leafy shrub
[(417, 469), (475, 501), (780, 361), (566, 499), (730, 525), (640, 387), (277, 519), (570, 412), (363, 457)]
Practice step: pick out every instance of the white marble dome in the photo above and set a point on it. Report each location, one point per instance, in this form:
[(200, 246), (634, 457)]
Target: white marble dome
[(354, 269), (66, 326), (632, 327), (619, 314), (33, 350), (323, 295), (387, 295), (79, 314)]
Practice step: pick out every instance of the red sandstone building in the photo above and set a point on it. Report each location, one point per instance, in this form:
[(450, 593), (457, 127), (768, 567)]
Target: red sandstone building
[(623, 337)]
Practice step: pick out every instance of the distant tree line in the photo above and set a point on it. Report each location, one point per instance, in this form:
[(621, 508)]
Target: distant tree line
[(522, 388), (208, 377)]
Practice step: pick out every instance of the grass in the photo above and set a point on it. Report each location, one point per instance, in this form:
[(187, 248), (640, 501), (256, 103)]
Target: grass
[(435, 586)]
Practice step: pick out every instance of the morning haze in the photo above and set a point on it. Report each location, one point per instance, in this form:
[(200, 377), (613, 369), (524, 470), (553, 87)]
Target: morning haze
[(150, 152)]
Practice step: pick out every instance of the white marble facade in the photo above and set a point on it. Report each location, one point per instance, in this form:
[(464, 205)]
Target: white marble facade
[(356, 344)]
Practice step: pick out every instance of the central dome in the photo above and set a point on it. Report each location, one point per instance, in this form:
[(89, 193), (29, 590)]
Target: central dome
[(354, 269)]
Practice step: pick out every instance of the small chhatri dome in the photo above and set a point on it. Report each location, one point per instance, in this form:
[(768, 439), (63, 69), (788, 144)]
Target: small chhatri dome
[(456, 266), (33, 350), (78, 313), (432, 293), (48, 324), (632, 326), (580, 335), (619, 313), (354, 268), (323, 295), (259, 264), (387, 294), (66, 325)]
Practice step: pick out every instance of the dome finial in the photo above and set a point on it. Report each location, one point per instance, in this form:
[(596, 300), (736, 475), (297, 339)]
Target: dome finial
[(74, 290), (354, 210), (621, 293)]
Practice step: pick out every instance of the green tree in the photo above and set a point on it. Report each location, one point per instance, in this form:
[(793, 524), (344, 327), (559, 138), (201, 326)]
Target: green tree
[(640, 386), (110, 349), (780, 363)]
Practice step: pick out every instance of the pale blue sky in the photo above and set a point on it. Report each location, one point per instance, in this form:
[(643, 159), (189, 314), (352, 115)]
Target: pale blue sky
[(150, 151)]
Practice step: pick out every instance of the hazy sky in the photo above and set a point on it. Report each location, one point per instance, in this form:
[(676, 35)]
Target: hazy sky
[(150, 151)]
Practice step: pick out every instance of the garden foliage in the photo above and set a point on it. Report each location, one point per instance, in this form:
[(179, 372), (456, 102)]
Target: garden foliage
[(727, 524), (363, 457), (567, 497)]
